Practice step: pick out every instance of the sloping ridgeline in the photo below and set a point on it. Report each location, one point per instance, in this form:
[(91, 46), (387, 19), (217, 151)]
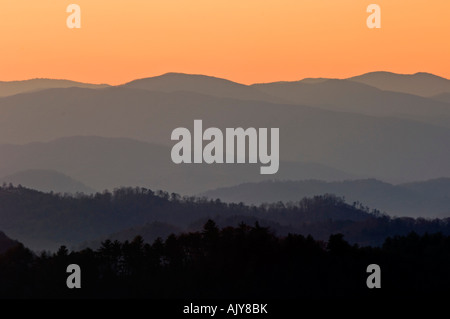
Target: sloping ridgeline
[(46, 220)]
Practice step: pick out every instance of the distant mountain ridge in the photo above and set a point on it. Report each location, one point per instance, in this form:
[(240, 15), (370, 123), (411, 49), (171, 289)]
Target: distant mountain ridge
[(426, 199), (421, 83), (17, 87), (360, 98), (208, 85)]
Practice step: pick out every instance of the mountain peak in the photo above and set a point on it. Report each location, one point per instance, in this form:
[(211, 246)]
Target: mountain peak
[(202, 84), (179, 76)]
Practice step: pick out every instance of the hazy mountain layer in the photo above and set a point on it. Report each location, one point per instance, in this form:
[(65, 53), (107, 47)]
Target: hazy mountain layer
[(444, 97), (386, 148), (106, 163), (350, 96)]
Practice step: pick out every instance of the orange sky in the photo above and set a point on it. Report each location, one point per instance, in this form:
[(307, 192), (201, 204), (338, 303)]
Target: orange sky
[(246, 41)]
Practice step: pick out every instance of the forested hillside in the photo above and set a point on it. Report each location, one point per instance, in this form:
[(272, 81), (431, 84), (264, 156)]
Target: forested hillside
[(47, 220), (244, 262)]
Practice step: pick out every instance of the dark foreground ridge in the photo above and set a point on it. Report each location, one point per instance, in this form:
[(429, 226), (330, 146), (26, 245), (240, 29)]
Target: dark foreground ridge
[(239, 263)]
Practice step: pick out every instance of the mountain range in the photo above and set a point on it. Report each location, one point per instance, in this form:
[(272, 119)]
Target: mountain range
[(69, 136)]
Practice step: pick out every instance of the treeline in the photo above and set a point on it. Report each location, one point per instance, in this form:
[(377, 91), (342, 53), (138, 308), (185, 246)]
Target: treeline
[(76, 218), (32, 216), (233, 262)]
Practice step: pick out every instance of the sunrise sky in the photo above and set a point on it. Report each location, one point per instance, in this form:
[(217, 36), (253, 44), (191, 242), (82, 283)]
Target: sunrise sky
[(246, 41)]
